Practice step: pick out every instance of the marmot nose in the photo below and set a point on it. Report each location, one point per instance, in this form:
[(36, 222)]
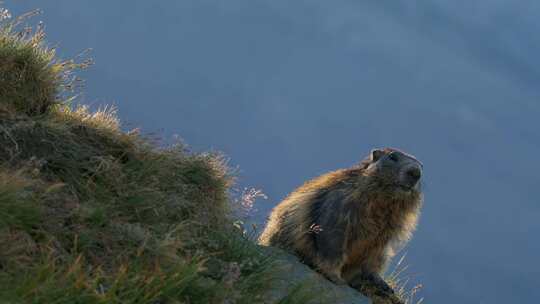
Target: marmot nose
[(414, 174)]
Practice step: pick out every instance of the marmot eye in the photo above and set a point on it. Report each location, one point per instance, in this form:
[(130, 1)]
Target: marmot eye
[(393, 157)]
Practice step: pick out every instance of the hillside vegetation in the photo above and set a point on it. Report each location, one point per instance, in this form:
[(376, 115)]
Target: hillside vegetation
[(92, 214)]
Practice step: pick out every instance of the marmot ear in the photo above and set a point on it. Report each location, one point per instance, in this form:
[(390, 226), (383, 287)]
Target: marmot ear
[(376, 154)]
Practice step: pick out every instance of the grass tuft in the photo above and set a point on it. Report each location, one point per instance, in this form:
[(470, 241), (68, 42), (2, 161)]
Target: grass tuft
[(401, 283), (32, 80)]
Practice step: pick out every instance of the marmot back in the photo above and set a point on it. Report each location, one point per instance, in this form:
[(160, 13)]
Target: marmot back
[(348, 223)]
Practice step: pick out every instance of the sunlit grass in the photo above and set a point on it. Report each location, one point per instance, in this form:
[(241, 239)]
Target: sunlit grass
[(32, 78), (400, 282)]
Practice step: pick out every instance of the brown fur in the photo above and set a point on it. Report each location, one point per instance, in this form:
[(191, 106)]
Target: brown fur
[(348, 223)]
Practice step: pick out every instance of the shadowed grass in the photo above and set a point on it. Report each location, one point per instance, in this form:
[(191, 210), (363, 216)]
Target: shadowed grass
[(18, 209), (54, 282)]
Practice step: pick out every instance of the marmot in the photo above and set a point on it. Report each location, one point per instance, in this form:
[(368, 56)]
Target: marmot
[(348, 223)]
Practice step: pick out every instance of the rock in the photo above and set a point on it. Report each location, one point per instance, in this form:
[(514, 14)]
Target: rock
[(301, 282)]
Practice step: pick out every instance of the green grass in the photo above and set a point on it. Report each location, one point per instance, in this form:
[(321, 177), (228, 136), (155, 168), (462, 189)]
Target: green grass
[(18, 209)]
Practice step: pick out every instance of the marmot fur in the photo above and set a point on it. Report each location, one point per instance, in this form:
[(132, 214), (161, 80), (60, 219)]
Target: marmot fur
[(348, 223)]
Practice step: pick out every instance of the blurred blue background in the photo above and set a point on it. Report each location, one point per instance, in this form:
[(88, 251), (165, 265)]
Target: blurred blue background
[(292, 89)]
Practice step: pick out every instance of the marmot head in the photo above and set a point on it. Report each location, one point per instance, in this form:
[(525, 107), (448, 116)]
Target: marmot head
[(393, 170)]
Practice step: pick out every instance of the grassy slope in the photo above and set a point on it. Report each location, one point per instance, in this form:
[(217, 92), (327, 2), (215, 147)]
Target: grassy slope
[(91, 214)]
